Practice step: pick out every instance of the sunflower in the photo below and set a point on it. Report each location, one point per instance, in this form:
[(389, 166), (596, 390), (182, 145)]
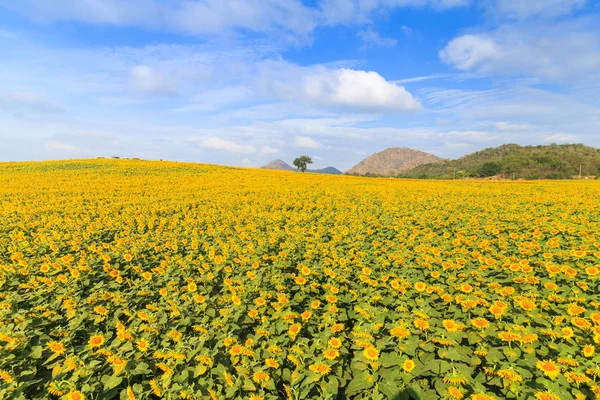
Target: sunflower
[(272, 363), (334, 342), (408, 365), (509, 336), (420, 286), (96, 341), (236, 350), (400, 332), (320, 368), (589, 350), (155, 388), (294, 330), (451, 326), (510, 375), (549, 368), (371, 353), (142, 344), (300, 280), (480, 323), (56, 347), (455, 393), (482, 396), (75, 395), (117, 363), (191, 287), (260, 377), (545, 396), (5, 376), (421, 324), (456, 378), (331, 354), (576, 378)]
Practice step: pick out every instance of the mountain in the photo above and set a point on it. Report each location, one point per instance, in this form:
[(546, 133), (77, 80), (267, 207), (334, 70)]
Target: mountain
[(280, 165), (392, 161), (513, 161), (328, 170)]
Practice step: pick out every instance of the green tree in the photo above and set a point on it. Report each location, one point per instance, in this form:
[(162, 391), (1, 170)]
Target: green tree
[(301, 162), (490, 168)]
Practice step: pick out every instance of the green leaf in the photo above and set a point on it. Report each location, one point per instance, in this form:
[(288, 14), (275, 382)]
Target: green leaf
[(389, 389), (331, 387), (112, 382), (141, 369), (249, 386), (36, 352), (359, 383)]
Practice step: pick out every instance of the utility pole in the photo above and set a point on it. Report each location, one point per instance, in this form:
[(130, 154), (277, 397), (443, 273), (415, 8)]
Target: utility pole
[(454, 175), (579, 171)]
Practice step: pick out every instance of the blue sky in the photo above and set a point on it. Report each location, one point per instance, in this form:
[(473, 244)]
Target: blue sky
[(240, 82)]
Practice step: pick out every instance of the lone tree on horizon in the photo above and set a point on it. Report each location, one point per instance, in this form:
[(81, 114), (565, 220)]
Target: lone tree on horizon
[(301, 162)]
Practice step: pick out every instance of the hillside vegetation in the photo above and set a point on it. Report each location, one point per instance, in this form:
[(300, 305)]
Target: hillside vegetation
[(514, 161)]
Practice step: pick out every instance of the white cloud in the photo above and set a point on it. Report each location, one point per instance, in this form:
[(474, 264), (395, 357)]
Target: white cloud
[(146, 80), (522, 9), (443, 4), (505, 126), (359, 11), (340, 88), (422, 78), (61, 147), (372, 38), (268, 150), (192, 16), (29, 101), (470, 51), (562, 138), (214, 143), (306, 142), (568, 50), (540, 113)]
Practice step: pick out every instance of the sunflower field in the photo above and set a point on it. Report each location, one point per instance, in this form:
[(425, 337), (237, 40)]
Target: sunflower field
[(126, 279)]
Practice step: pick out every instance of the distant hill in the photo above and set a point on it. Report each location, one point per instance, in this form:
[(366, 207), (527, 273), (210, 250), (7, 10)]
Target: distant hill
[(392, 161), (328, 170), (511, 160), (280, 165), (283, 166)]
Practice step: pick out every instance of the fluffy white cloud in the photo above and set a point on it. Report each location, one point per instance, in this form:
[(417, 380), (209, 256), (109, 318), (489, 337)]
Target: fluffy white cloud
[(192, 16), (366, 90), (306, 142), (268, 150), (507, 127), (522, 9), (214, 143), (562, 138), (470, 51), (55, 145), (291, 17), (342, 88), (569, 50)]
